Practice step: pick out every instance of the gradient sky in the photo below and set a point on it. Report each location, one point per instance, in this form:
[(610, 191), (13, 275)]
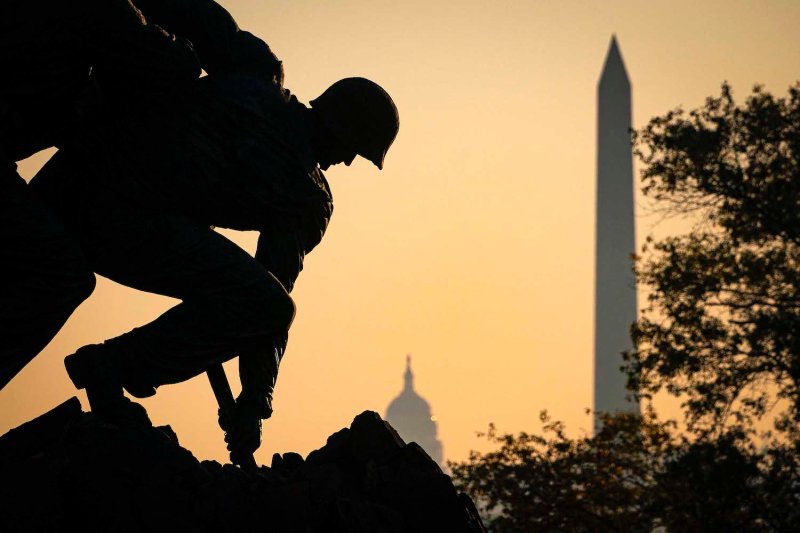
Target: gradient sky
[(473, 249)]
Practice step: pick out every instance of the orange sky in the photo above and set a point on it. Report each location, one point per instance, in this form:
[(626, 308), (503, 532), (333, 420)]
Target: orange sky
[(473, 249)]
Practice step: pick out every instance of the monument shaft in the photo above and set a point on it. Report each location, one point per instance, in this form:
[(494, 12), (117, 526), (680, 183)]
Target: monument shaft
[(615, 288)]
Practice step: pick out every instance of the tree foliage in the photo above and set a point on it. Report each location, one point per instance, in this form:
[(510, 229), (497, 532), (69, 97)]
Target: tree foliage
[(550, 482), (721, 331), (722, 328), (635, 474)]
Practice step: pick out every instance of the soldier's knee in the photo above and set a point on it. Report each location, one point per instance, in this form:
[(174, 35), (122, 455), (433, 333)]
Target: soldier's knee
[(75, 285), (85, 285), (275, 308), (81, 283), (290, 311), (285, 311)]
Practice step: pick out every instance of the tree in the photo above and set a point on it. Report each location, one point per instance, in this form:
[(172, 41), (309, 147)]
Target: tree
[(635, 474), (722, 328), (550, 482), (721, 331)]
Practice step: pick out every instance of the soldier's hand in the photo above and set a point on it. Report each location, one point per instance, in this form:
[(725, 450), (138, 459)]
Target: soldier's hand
[(242, 430)]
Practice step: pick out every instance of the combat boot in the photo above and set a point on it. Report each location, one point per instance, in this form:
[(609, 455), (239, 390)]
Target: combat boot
[(91, 369)]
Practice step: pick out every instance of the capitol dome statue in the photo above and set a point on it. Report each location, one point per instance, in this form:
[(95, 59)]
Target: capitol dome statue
[(410, 415)]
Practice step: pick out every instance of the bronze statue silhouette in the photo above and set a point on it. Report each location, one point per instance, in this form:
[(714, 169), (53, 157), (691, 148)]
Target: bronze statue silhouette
[(140, 186), (50, 53)]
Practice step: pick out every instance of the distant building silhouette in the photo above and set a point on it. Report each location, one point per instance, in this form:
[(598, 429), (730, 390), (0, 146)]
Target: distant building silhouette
[(410, 415), (615, 287)]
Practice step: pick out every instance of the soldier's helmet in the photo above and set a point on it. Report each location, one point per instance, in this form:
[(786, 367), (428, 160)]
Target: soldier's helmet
[(362, 115)]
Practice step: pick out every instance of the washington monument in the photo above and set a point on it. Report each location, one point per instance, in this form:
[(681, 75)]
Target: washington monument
[(615, 289)]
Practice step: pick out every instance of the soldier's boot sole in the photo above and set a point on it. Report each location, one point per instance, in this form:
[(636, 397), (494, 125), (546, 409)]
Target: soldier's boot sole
[(109, 402)]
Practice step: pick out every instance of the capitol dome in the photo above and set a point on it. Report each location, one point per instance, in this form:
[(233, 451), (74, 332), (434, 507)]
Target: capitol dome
[(411, 416)]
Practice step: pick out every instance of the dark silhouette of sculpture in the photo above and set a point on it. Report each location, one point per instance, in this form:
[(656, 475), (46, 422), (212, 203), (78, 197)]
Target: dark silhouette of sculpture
[(140, 190), (70, 471), (48, 49)]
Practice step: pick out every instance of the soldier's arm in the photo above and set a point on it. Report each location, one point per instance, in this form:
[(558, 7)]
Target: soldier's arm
[(258, 368), (282, 247), (219, 42), (258, 372), (280, 251)]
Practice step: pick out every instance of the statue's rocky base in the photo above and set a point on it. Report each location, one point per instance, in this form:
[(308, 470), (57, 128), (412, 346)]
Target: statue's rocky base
[(71, 471)]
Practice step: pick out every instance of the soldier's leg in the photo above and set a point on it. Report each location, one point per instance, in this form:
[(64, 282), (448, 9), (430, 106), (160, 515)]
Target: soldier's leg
[(43, 275), (230, 303)]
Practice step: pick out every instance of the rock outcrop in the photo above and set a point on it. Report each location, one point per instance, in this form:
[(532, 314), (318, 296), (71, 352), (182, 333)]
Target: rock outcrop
[(72, 471)]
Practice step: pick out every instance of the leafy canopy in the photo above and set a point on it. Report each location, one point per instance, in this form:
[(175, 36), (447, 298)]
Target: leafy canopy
[(722, 328)]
